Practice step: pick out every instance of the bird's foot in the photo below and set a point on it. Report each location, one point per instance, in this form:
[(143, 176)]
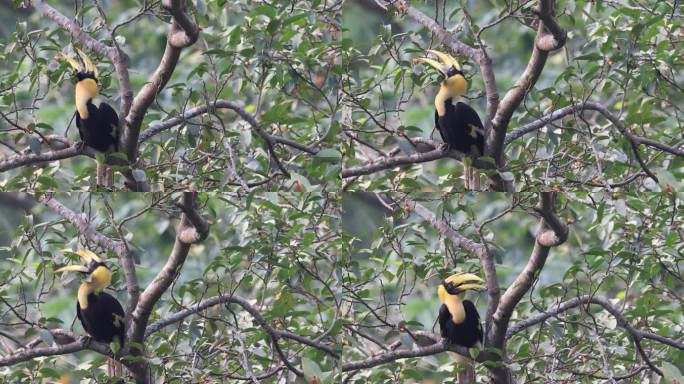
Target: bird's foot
[(81, 146), (444, 147)]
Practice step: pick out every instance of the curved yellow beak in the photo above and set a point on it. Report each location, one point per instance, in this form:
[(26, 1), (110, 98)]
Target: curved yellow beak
[(445, 63), (88, 255), (72, 268), (466, 281)]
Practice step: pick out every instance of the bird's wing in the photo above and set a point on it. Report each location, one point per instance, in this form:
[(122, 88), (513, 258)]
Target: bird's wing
[(109, 119), (471, 313)]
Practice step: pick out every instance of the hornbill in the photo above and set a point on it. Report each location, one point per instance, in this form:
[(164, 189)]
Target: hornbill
[(101, 315), (459, 124), (459, 321), (97, 126)]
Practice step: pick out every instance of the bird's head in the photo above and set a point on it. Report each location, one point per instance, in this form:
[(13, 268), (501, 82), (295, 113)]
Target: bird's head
[(85, 71), (454, 82), (97, 274), (458, 283)]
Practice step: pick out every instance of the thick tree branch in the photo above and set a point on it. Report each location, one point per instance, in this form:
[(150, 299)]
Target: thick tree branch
[(186, 235), (552, 232), (75, 343), (393, 354), (54, 350), (512, 99), (17, 161), (84, 228), (184, 32), (384, 163)]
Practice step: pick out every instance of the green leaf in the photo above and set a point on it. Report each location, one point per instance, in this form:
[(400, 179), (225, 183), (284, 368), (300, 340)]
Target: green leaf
[(330, 155)]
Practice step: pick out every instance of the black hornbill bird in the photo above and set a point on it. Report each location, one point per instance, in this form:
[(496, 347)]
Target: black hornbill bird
[(459, 321), (458, 124), (101, 315), (97, 126)]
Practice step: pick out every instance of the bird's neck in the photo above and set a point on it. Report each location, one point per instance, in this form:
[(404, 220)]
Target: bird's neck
[(86, 91), (455, 306), (98, 281), (83, 291), (442, 98)]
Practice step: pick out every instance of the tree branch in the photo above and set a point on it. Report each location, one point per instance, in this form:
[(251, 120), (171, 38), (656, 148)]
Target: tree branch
[(183, 33), (390, 354), (587, 299), (635, 140), (528, 79), (384, 163), (75, 344), (32, 353), (186, 235), (17, 161), (635, 334), (78, 221), (552, 232)]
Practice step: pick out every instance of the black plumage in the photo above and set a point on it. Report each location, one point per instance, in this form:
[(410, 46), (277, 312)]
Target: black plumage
[(461, 128), (99, 130), (466, 334), (103, 319)]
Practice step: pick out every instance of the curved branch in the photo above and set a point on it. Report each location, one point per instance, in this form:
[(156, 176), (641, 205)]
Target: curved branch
[(587, 299), (192, 228), (635, 334), (548, 28), (233, 299), (78, 221), (552, 232), (419, 351), (32, 353), (385, 163), (273, 333), (17, 161), (75, 344), (634, 140), (186, 235), (183, 33)]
